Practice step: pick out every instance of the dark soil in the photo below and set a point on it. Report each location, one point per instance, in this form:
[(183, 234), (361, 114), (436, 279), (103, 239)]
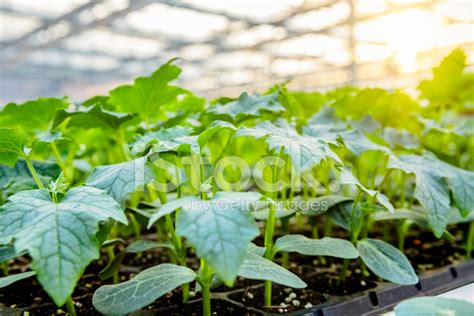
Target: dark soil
[(284, 299), (328, 283)]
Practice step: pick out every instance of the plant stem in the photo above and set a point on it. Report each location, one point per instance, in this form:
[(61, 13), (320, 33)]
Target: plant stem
[(59, 160), (269, 230), (354, 236), (470, 240), (285, 225), (34, 174), (70, 307), (122, 145), (205, 288)]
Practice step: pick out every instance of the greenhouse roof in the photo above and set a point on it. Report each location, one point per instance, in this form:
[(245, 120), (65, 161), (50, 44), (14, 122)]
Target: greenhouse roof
[(85, 47)]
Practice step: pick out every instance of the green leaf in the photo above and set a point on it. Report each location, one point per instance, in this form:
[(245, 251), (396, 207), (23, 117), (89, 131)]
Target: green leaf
[(247, 106), (305, 151), (448, 80), (149, 96), (358, 143), (215, 128), (220, 230), (172, 206), (327, 246), (434, 179), (18, 178), (12, 143), (255, 267), (135, 247), (6, 281), (121, 179), (8, 253), (60, 238), (348, 178), (400, 138), (386, 261), (166, 137), (341, 214), (141, 290), (91, 117), (31, 115), (434, 306), (413, 215)]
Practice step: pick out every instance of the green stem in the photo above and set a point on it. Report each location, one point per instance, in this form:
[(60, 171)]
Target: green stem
[(285, 227), (354, 236), (70, 307), (34, 174), (111, 255), (5, 269), (59, 160), (269, 230), (206, 276), (470, 240), (136, 226), (123, 146)]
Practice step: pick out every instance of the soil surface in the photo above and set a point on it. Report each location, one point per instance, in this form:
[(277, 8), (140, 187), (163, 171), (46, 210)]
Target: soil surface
[(284, 299)]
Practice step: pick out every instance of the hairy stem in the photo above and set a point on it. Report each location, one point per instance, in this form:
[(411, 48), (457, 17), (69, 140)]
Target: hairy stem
[(269, 230), (34, 174), (70, 307)]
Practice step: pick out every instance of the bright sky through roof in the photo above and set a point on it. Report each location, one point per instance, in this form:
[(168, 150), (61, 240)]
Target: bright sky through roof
[(271, 40)]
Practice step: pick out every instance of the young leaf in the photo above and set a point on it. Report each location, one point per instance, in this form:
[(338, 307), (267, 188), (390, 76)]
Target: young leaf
[(91, 117), (320, 205), (248, 105), (6, 281), (433, 180), (401, 138), (216, 127), (141, 290), (220, 230), (165, 137), (386, 261), (327, 246), (348, 178), (305, 151), (256, 267), (438, 306), (121, 179), (31, 115), (60, 238), (12, 143)]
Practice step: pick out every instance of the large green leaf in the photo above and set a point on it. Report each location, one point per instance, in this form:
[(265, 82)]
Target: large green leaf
[(121, 179), (149, 96), (141, 290), (12, 143), (248, 105), (305, 151), (220, 230), (434, 179), (91, 117), (60, 238), (256, 267), (327, 246), (434, 306), (31, 115), (386, 261), (348, 178)]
